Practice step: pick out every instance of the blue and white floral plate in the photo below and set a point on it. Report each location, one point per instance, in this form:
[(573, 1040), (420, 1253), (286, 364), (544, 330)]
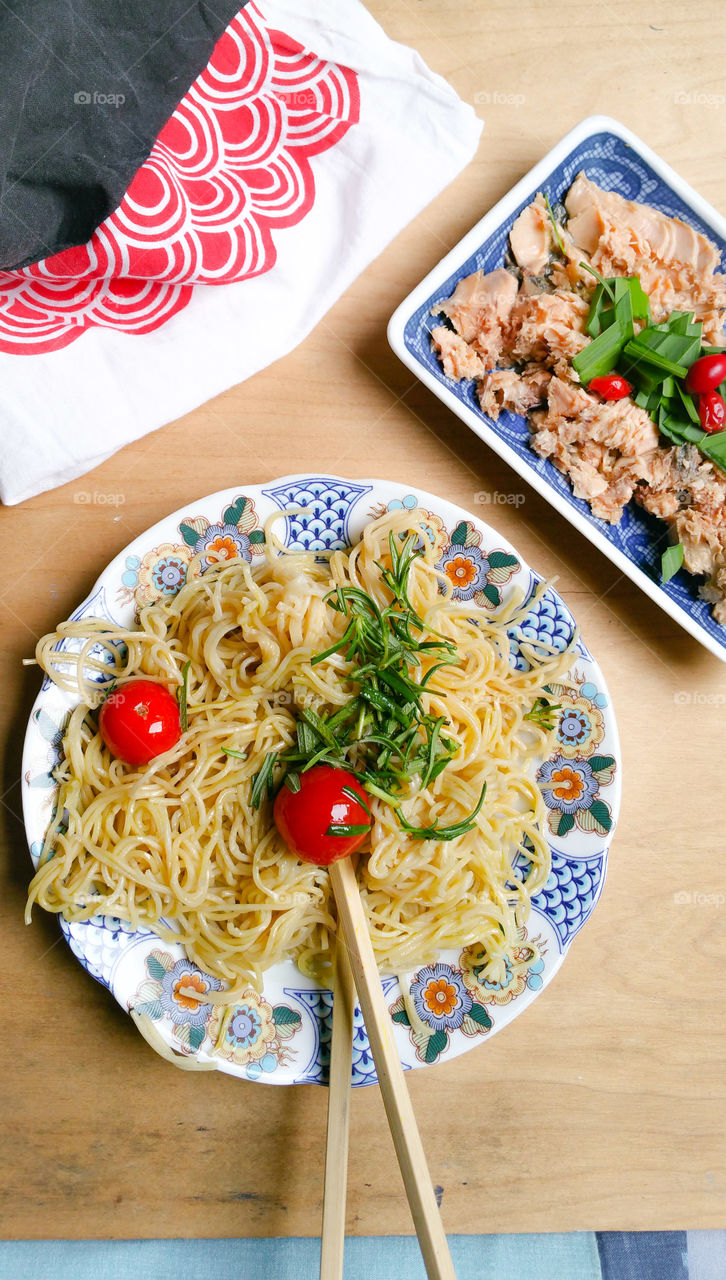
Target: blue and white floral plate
[(618, 161), (282, 1036)]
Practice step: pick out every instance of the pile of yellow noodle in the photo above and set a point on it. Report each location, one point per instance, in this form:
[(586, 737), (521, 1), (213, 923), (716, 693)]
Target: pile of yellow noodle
[(175, 846)]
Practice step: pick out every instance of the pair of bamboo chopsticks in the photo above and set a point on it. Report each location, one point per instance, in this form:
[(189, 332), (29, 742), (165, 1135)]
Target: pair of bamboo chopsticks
[(356, 965)]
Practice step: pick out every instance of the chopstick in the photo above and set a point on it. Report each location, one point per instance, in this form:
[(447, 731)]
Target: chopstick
[(401, 1118), (336, 1148)]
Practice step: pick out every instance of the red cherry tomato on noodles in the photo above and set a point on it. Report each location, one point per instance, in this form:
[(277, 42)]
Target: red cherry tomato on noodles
[(706, 373), (139, 721), (327, 799), (611, 386), (712, 411)]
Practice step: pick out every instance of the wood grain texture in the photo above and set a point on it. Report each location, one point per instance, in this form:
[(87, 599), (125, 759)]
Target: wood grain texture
[(335, 1186), (604, 1106)]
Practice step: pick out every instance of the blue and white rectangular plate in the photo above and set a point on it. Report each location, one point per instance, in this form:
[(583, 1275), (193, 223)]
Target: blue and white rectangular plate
[(616, 160)]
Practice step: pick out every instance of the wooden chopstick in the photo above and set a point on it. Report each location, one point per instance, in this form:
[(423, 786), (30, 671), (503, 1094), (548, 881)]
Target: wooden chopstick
[(401, 1119), (336, 1147)]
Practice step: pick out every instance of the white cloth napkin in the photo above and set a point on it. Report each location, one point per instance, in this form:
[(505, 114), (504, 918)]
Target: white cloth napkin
[(66, 410)]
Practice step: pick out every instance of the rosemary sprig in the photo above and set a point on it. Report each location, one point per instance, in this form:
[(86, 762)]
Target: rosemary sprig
[(181, 697), (435, 832), (263, 780), (381, 735)]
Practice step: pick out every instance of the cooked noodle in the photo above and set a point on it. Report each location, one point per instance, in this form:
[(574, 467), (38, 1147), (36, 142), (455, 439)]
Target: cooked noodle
[(176, 846)]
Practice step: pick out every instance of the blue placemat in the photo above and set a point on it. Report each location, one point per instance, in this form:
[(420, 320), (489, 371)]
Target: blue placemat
[(612, 1255), (524, 1257)]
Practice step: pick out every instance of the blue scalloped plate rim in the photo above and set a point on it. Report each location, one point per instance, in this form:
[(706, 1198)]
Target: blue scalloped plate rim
[(616, 159), (127, 962)]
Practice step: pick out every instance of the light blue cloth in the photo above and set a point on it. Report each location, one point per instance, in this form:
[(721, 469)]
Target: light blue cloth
[(706, 1255), (611, 1255), (571, 1256)]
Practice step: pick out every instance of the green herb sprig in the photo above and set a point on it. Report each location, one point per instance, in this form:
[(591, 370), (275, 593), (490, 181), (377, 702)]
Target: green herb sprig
[(543, 713), (671, 561), (382, 734), (181, 697)]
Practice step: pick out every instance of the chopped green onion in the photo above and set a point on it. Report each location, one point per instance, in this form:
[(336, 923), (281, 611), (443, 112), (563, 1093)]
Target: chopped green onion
[(593, 324), (686, 400), (714, 448), (606, 285), (601, 355), (230, 751), (671, 561), (348, 829)]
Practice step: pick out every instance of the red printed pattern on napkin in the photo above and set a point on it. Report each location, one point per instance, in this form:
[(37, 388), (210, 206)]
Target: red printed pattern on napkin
[(231, 166)]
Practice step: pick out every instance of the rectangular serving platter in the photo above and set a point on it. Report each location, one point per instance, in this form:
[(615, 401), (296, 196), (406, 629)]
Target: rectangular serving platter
[(617, 160)]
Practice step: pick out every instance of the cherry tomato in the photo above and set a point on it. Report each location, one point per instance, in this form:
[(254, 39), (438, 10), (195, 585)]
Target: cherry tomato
[(139, 720), (706, 373), (305, 817), (712, 411), (611, 386)]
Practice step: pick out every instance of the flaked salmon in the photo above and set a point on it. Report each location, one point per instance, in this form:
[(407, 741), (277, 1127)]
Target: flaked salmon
[(531, 237)]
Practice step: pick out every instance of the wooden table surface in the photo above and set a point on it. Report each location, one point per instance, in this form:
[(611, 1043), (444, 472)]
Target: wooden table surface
[(602, 1107)]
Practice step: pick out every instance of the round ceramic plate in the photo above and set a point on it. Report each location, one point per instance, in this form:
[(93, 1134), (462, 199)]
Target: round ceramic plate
[(283, 1035)]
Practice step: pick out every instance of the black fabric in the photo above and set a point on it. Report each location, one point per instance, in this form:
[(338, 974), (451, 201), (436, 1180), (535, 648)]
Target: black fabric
[(85, 88)]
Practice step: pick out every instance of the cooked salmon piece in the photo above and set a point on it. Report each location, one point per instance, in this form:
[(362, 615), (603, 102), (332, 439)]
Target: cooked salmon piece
[(479, 300), (531, 239), (543, 325), (594, 213), (603, 447), (459, 360), (504, 389)]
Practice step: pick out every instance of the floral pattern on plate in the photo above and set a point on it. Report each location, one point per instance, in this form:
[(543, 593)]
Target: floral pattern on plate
[(571, 779), (474, 573), (446, 998), (250, 1034), (162, 572), (435, 528)]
